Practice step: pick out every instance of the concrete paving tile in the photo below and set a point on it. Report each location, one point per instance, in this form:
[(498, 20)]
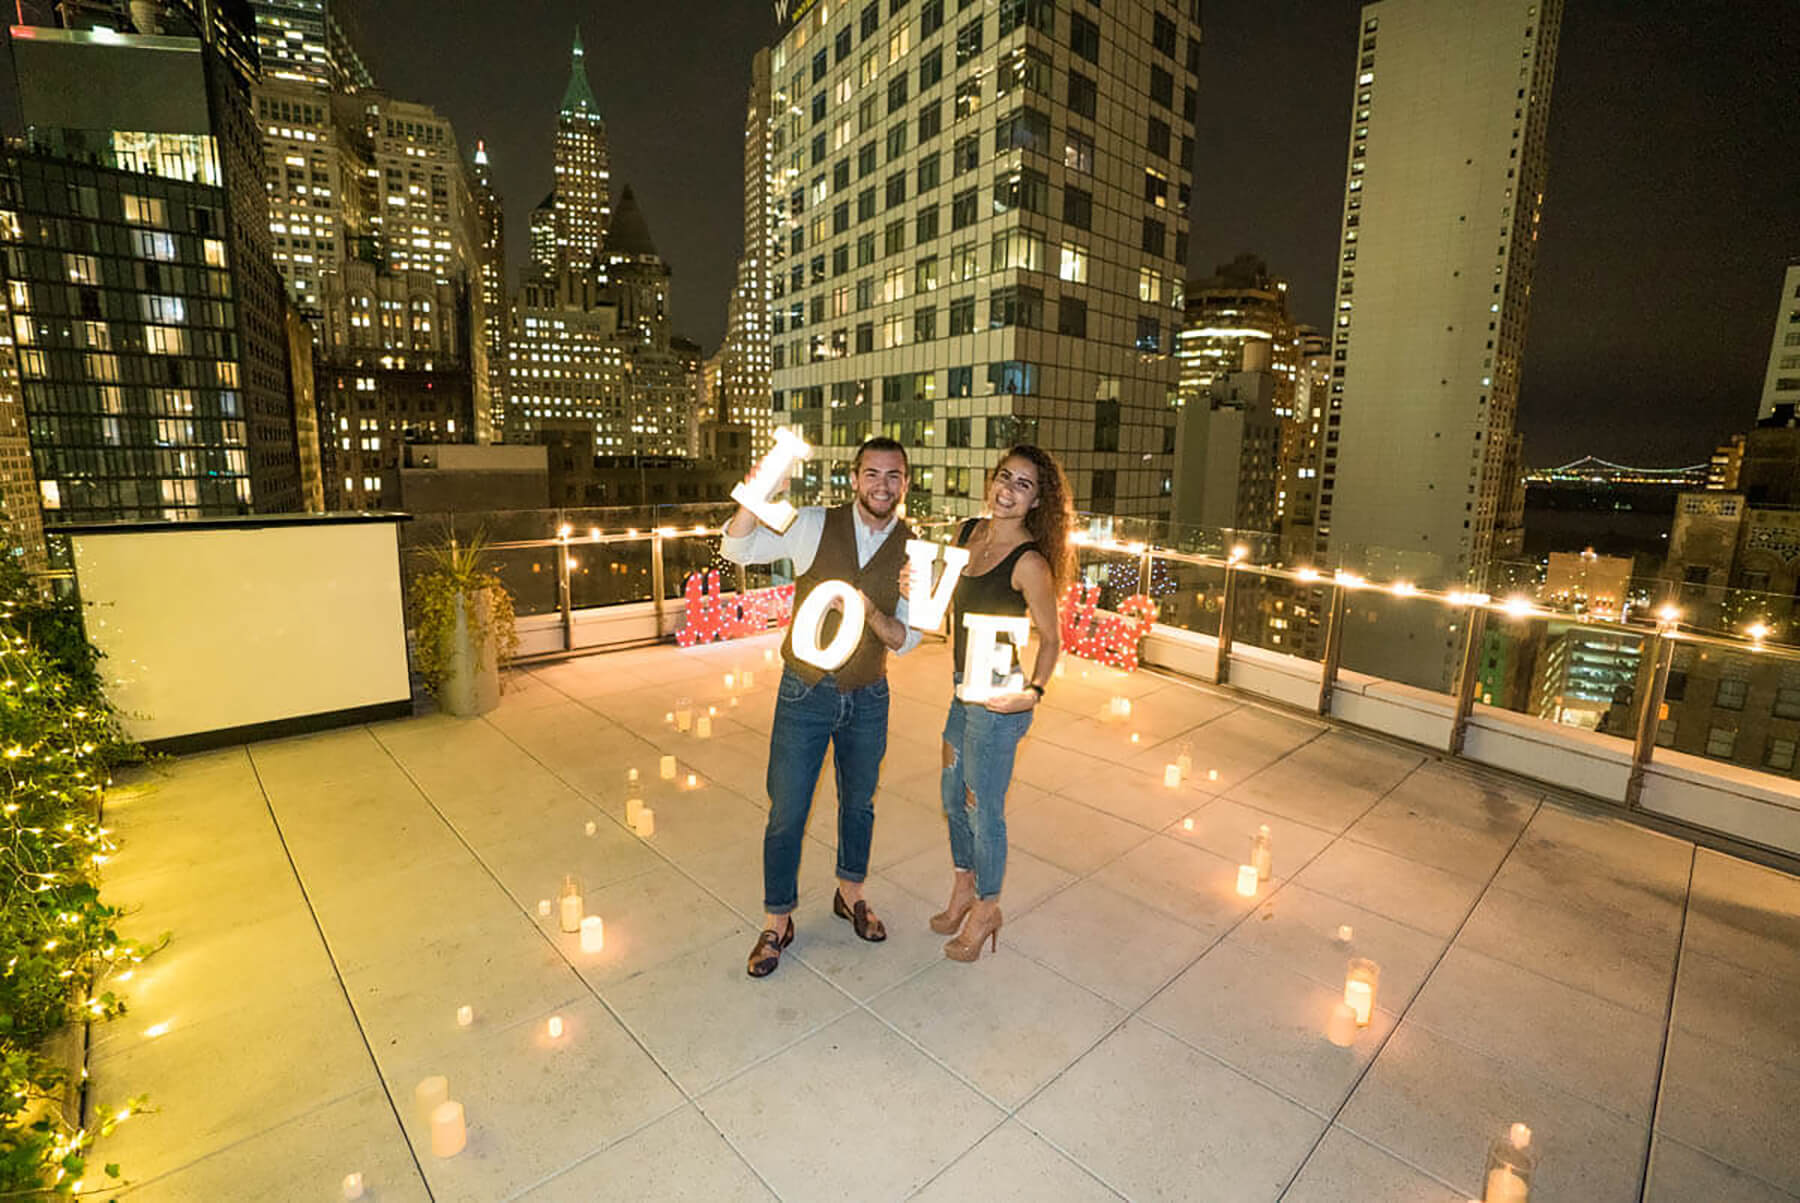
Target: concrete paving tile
[(1404, 890), (1227, 828), (1345, 1167), (1112, 944), (831, 947), (1328, 782), (1735, 1107), (1029, 879), (1072, 836), (1155, 1119), (1680, 1174), (1745, 914), (1012, 1164), (680, 1156), (1178, 879), (798, 1117)]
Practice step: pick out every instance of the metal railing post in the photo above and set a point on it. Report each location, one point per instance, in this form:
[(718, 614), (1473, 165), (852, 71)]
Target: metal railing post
[(564, 603), (1334, 642), (1144, 571), (1468, 674), (657, 589), (1222, 673), (743, 579), (1649, 715)]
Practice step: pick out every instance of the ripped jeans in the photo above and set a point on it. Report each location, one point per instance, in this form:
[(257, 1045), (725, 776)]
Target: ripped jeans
[(982, 745)]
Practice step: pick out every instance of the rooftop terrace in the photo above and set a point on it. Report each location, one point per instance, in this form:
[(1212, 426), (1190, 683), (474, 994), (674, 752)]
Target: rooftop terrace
[(1143, 1032)]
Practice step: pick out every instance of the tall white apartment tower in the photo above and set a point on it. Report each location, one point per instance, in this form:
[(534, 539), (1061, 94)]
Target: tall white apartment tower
[(980, 233), (582, 201), (1444, 187), (1781, 385)]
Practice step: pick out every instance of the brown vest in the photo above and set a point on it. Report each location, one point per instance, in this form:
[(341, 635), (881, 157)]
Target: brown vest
[(879, 578)]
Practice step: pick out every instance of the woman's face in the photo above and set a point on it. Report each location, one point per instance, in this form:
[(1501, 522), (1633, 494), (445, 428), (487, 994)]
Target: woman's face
[(1014, 491)]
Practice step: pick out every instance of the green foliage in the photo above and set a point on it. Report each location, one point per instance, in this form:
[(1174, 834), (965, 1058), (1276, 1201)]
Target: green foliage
[(453, 571), (59, 741)]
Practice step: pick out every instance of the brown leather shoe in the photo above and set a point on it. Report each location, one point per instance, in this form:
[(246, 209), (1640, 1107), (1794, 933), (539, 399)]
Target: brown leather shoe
[(861, 918), (767, 954)]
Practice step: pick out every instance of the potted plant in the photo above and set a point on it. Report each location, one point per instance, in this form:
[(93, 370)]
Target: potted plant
[(463, 627)]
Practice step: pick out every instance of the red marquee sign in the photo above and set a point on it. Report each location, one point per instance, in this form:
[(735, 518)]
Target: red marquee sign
[(1095, 635), (713, 616)]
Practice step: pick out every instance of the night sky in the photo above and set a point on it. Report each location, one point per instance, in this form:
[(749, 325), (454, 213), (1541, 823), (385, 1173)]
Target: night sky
[(1670, 214)]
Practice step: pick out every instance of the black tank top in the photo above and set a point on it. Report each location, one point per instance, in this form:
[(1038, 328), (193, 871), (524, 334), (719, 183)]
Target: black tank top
[(989, 593)]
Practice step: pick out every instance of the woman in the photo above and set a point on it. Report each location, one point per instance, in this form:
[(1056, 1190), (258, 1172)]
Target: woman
[(1018, 560)]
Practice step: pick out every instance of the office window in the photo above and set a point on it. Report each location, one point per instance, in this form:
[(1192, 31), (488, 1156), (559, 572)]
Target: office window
[(1074, 266), (1071, 316), (1084, 37), (924, 325), (1106, 425), (1012, 377), (1028, 68), (968, 98), (1732, 691), (865, 337), (962, 382), (963, 263), (1149, 334), (1078, 208), (931, 19), (866, 160), (931, 121), (968, 42), (958, 430), (1022, 189), (964, 209), (966, 154), (897, 93), (865, 292), (893, 285), (840, 175), (1084, 96), (1149, 285), (1016, 305), (840, 217), (1162, 87), (820, 63), (1155, 239), (1104, 489), (871, 18), (865, 249), (1720, 741), (1018, 249), (896, 189), (1022, 129), (865, 204), (1078, 152), (1162, 35), (893, 237), (1157, 137), (962, 316), (868, 115), (896, 141), (1787, 693), (925, 226), (1156, 188), (1778, 754), (843, 45), (931, 65), (925, 274)]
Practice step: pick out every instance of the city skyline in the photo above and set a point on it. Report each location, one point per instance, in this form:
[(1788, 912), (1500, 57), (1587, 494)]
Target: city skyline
[(1596, 361)]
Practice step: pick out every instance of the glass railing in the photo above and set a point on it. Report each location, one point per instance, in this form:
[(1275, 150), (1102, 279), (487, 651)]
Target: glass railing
[(1587, 676), (1735, 704)]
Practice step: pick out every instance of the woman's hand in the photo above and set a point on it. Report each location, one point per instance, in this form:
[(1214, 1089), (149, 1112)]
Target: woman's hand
[(1013, 703)]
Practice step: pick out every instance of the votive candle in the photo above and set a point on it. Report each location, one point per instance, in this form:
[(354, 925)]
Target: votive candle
[(591, 827), (448, 1133), (693, 781), (1359, 988), (1246, 880), (684, 714), (1171, 775), (646, 823), (593, 934), (1345, 932), (666, 768), (429, 1093), (465, 1015), (1341, 1031), (555, 1027), (633, 808), (353, 1186), (730, 680), (568, 901), (703, 727)]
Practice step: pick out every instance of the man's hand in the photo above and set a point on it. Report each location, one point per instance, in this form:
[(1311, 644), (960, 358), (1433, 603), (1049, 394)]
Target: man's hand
[(906, 578)]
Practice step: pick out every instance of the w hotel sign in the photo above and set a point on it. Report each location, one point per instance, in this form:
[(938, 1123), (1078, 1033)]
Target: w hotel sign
[(788, 13)]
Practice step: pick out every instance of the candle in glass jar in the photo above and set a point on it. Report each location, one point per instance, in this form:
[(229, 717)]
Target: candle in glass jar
[(568, 901), (1344, 933), (1185, 762), (353, 1186), (693, 781), (1246, 880), (465, 1015), (593, 934), (703, 727), (1260, 853), (633, 807), (591, 827), (544, 907), (666, 767), (646, 823), (448, 1133), (1171, 775), (684, 714), (631, 777), (555, 1027), (1359, 989), (1134, 737), (730, 680)]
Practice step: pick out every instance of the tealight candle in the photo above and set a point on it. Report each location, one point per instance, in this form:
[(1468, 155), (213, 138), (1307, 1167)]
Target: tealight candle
[(1341, 1030), (1187, 824), (448, 1133), (465, 1015), (693, 781), (1359, 988), (555, 1027), (1246, 880), (593, 934), (544, 907), (429, 1093), (631, 776), (713, 710), (646, 823), (591, 827), (1344, 933), (666, 767), (734, 700), (353, 1186), (1171, 775), (668, 716), (768, 655), (1134, 737), (568, 900), (1212, 774), (703, 727), (730, 680)]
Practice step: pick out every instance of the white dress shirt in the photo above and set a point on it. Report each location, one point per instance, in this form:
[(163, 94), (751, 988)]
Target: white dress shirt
[(799, 544)]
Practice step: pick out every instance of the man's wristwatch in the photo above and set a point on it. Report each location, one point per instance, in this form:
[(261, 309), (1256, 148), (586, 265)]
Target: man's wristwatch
[(1036, 688)]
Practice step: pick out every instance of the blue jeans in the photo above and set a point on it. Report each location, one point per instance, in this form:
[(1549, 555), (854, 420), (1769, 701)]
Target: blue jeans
[(807, 719), (982, 746)]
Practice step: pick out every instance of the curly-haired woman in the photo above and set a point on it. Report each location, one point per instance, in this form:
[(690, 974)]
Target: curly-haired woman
[(1018, 561)]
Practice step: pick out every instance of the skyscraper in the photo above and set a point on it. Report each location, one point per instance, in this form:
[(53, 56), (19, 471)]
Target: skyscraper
[(743, 392), (1444, 187), (982, 231), (490, 217), (1781, 383), (302, 41), (147, 313), (582, 199)]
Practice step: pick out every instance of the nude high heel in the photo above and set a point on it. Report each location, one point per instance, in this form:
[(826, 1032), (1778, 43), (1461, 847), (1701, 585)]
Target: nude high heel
[(981, 927), (949, 921)]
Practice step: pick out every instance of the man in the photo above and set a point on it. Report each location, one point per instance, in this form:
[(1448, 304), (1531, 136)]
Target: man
[(863, 543)]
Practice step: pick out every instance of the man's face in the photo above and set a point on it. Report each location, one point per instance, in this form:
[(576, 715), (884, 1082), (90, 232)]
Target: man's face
[(880, 484)]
